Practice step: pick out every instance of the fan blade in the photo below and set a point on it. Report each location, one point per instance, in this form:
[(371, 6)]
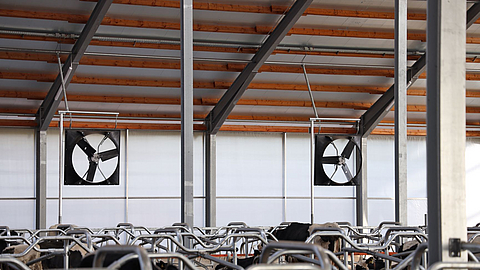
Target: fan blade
[(347, 172), (347, 151), (330, 160), (91, 171), (86, 147), (109, 154)]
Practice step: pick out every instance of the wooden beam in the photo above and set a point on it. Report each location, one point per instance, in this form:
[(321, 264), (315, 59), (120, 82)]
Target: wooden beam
[(205, 66), (44, 77), (270, 9), (212, 101), (254, 29)]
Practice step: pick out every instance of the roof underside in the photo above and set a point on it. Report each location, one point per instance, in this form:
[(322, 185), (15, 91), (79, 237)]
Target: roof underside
[(132, 65)]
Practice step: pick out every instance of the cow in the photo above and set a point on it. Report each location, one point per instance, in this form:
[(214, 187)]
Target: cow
[(297, 231), (31, 255)]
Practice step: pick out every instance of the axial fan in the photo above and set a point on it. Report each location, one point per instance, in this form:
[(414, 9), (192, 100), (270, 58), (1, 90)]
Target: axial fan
[(334, 154), (92, 157)]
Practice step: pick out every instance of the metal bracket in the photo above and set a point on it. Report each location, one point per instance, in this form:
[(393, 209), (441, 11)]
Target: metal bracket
[(454, 247)]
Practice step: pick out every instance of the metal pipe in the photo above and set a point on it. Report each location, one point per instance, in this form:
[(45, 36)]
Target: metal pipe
[(284, 159), (223, 43), (60, 178), (310, 91), (126, 174), (312, 170)]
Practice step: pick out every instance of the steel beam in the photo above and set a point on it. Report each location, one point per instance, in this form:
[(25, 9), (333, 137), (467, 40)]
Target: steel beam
[(210, 180), (361, 188), (186, 38), (401, 111), (41, 179), (446, 83), (51, 102), (370, 119), (220, 112)]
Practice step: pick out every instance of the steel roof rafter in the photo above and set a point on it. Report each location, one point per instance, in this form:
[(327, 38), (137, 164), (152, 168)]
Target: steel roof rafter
[(220, 112), (370, 119), (52, 100)]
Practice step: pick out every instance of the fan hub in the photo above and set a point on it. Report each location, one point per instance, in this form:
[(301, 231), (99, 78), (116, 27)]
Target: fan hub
[(95, 158), (341, 160)]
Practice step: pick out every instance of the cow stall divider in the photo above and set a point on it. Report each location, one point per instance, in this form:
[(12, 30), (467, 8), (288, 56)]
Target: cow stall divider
[(319, 122), (223, 246)]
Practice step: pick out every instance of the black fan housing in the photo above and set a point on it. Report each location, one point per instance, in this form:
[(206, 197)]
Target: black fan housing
[(92, 157), (338, 160)]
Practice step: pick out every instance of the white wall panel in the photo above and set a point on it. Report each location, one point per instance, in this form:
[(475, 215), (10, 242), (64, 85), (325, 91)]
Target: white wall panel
[(417, 208), (249, 164), (332, 210), (17, 163), (416, 167), (154, 163), (199, 210), (94, 213), (298, 210), (17, 213), (298, 165), (254, 212), (154, 212), (380, 210), (380, 167), (472, 167)]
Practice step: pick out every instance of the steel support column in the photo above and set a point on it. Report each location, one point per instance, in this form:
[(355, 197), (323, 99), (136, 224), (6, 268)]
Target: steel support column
[(210, 180), (361, 188), (401, 111), (40, 179), (187, 110), (225, 105), (446, 37), (51, 102)]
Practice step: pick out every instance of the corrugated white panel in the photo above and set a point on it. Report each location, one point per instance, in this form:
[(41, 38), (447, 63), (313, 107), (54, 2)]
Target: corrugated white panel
[(298, 165), (472, 167), (249, 164), (298, 210), (332, 210), (94, 213), (17, 163), (380, 167), (417, 167), (154, 163), (417, 208), (254, 212), (154, 212), (380, 210), (17, 213)]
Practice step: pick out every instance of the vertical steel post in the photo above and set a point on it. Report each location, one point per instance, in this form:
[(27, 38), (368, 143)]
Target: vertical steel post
[(61, 170), (446, 35), (401, 111), (312, 171), (361, 189), (187, 110), (126, 174), (284, 174), (210, 179), (41, 179)]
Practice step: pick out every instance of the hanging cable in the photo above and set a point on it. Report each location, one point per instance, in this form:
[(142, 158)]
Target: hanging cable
[(310, 91)]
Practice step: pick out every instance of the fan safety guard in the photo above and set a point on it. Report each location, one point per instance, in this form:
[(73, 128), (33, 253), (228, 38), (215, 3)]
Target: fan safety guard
[(92, 157), (343, 161)]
